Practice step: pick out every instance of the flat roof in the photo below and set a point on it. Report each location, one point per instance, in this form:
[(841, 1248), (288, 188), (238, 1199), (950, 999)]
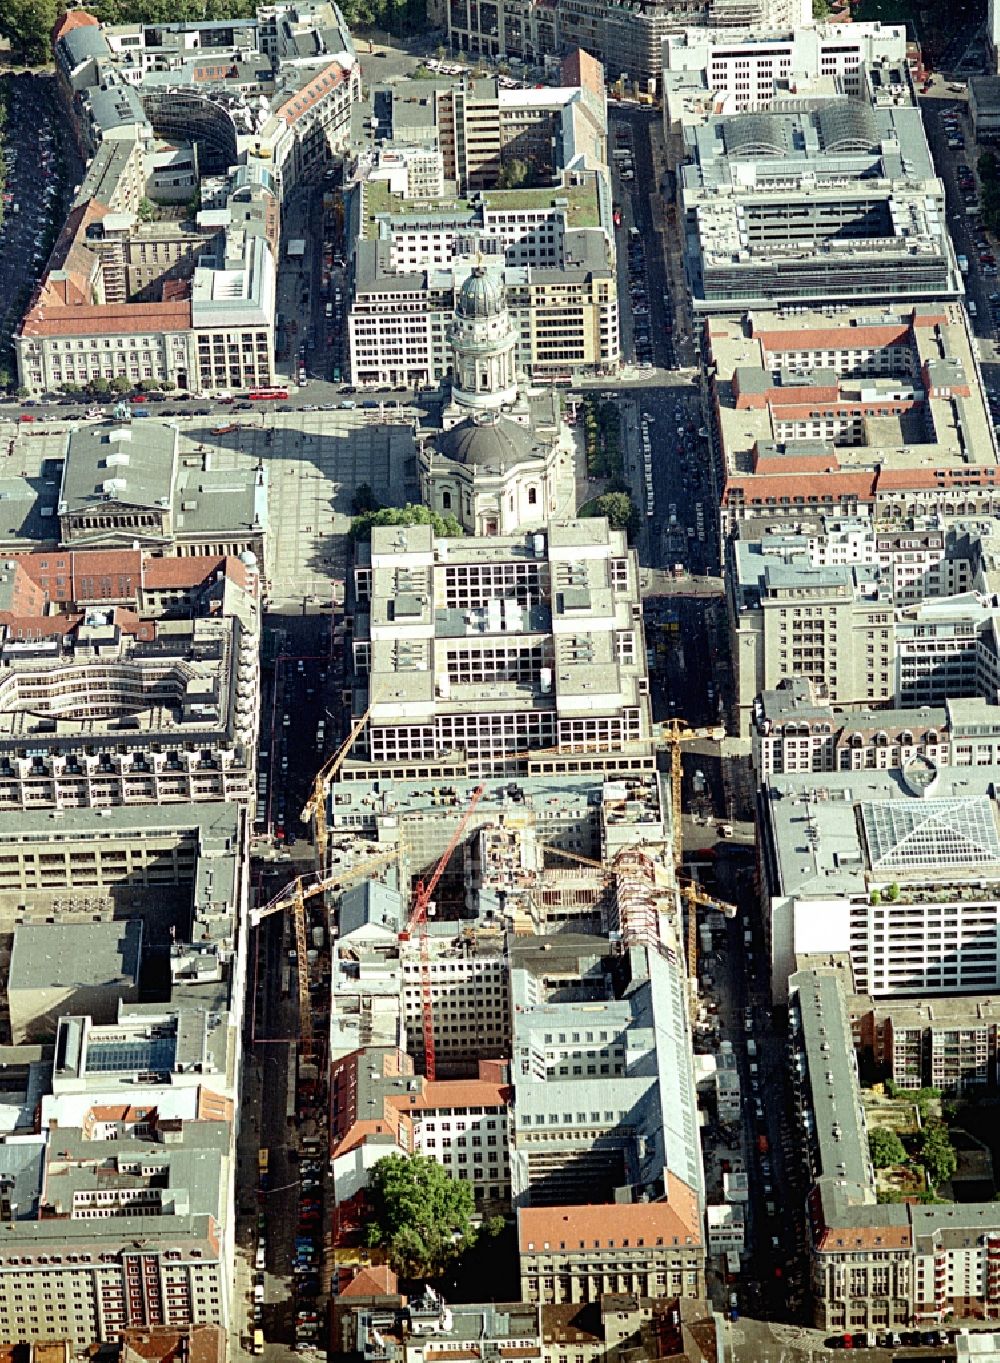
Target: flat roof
[(48, 955)]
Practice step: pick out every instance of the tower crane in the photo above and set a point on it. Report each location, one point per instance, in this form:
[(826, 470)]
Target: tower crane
[(315, 807), (696, 898), (672, 733), (294, 896), (419, 913)]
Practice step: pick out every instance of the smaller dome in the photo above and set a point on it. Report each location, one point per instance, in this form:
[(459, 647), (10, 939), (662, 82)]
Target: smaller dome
[(487, 441), (481, 295)]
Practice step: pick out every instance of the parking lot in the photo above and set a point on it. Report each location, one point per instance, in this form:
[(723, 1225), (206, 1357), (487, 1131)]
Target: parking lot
[(35, 197)]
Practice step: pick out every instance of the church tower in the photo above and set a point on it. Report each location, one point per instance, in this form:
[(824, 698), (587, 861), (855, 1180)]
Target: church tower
[(484, 346)]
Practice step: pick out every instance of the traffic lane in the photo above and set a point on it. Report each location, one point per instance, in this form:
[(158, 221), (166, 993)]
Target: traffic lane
[(680, 474), (963, 229)]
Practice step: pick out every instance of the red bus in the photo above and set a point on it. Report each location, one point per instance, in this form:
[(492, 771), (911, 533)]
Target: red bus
[(267, 394)]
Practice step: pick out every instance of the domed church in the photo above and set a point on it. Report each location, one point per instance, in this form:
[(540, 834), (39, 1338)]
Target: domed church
[(503, 460)]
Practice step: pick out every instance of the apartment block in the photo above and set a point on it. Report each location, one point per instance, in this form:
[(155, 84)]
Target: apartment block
[(831, 412), (576, 1253), (946, 1043), (602, 1072), (837, 203), (874, 1265), (861, 1250), (629, 42)]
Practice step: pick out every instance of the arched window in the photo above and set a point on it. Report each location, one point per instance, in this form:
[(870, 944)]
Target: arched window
[(532, 496), (446, 501)]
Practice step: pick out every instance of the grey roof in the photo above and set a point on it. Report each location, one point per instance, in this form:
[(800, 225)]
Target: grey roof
[(822, 1028), (48, 954), (21, 1166), (132, 465), (80, 44), (487, 441), (481, 295), (116, 107), (370, 903)]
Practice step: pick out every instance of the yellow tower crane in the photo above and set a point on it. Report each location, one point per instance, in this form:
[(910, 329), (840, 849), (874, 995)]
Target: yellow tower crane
[(293, 896), (315, 806)]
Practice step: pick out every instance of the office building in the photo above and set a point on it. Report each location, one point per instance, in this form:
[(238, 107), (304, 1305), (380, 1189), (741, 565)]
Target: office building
[(380, 1107), (605, 1101), (874, 1265), (473, 652), (837, 202), (706, 69), (897, 869), (58, 968), (427, 203), (628, 40), (395, 1330)]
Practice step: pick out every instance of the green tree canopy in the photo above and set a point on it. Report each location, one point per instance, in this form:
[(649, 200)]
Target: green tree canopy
[(936, 1153), (28, 25), (445, 526), (617, 507), (421, 1216), (886, 1148)]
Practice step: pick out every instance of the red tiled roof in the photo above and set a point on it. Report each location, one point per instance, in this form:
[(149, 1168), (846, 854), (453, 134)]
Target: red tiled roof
[(807, 488), (191, 571), (311, 93), (85, 575), (675, 1223), (378, 1281), (450, 1093), (119, 319), (73, 18)]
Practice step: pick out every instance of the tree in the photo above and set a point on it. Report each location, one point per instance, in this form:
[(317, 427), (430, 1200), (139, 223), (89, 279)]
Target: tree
[(617, 507), (514, 173), (886, 1148), (446, 527), (820, 9), (147, 210), (28, 25), (421, 1216), (120, 384), (364, 500), (936, 1153)]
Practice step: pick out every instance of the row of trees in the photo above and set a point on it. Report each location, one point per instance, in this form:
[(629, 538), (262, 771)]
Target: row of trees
[(989, 176), (369, 512)]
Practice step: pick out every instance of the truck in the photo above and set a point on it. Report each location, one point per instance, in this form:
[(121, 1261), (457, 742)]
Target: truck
[(963, 264), (263, 1161), (762, 1145), (752, 1049)]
